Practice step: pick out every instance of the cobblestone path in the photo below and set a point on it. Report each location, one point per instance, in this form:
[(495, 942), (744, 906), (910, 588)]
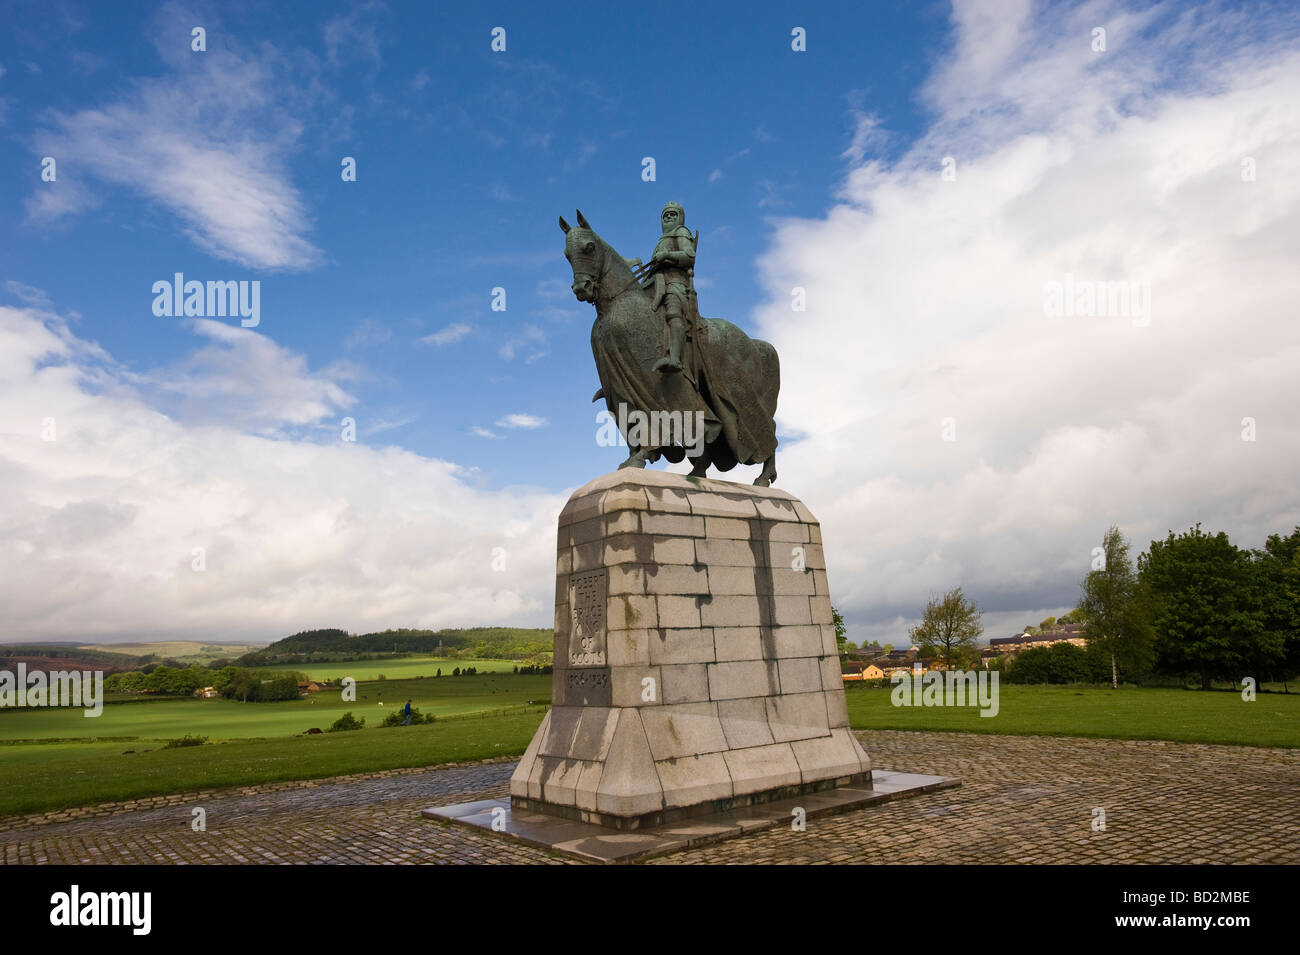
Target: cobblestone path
[(1022, 800)]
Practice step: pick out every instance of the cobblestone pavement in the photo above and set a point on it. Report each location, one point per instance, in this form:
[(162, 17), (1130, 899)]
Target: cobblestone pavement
[(1022, 800)]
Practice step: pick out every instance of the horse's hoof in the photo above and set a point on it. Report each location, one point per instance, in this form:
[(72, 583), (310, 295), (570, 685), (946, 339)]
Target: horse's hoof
[(762, 482), (635, 461)]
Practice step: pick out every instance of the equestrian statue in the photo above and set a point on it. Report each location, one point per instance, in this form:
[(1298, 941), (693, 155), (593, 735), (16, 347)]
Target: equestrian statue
[(712, 387)]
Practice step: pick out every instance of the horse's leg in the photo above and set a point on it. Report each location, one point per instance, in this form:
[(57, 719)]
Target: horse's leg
[(769, 473), (701, 465), (635, 460)]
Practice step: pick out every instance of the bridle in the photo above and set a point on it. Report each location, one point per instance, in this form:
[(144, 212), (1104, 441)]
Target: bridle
[(634, 282)]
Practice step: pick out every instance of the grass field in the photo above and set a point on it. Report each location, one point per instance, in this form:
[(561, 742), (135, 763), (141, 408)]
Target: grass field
[(398, 668), (168, 718), (55, 775), (1188, 716), (57, 758)]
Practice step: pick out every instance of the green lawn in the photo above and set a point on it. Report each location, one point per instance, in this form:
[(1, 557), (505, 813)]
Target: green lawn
[(1188, 716), (398, 668), (218, 719), (40, 777)]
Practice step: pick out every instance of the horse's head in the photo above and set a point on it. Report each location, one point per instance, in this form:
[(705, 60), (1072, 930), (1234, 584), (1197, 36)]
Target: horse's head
[(583, 249)]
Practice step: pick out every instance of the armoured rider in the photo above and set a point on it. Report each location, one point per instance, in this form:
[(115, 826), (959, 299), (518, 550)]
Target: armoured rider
[(672, 264)]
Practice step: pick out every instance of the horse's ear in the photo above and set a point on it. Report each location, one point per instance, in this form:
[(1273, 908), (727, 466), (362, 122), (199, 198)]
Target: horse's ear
[(582, 220), (564, 225)]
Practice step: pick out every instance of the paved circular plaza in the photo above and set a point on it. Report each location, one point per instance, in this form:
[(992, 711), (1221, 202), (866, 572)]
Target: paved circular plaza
[(1022, 800)]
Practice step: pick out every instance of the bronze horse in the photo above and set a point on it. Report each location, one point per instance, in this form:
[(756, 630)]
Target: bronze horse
[(729, 381)]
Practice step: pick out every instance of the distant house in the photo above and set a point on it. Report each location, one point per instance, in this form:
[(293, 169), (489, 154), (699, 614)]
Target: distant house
[(205, 693), (1069, 633), (896, 658), (311, 686)]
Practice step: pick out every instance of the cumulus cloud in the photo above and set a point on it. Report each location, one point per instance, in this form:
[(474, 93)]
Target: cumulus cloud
[(99, 527), (246, 380), (926, 311)]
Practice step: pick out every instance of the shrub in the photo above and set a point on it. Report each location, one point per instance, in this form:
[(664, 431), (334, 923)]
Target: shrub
[(347, 722), (186, 740), (397, 718)]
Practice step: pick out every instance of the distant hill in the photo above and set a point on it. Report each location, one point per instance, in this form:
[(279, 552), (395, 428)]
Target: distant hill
[(186, 652), (50, 656), (324, 645)]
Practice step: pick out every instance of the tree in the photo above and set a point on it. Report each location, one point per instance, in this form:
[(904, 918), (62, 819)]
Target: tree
[(1206, 607), (1278, 577), (950, 624), (1115, 611), (841, 641)]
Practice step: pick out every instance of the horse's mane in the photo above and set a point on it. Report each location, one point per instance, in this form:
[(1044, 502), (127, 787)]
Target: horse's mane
[(614, 262)]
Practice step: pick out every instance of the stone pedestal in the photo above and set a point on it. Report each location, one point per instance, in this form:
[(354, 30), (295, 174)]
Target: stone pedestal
[(695, 660)]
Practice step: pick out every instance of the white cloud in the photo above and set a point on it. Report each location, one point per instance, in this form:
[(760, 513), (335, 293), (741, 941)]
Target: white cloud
[(209, 140), (368, 332), (485, 433), (448, 335), (29, 294), (98, 527), (521, 421), (246, 380), (528, 335), (352, 38), (925, 301)]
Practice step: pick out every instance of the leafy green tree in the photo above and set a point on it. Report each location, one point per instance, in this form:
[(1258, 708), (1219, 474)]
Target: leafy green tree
[(1116, 611), (1278, 577), (841, 641), (1206, 607), (950, 625), (1059, 663)]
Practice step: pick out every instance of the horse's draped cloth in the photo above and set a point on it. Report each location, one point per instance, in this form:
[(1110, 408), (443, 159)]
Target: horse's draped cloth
[(739, 378)]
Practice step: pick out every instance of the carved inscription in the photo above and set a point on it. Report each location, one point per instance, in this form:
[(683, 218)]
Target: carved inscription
[(587, 642), (588, 679)]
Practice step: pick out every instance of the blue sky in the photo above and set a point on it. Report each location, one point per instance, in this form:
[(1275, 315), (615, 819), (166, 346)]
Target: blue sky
[(946, 426), (465, 158)]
